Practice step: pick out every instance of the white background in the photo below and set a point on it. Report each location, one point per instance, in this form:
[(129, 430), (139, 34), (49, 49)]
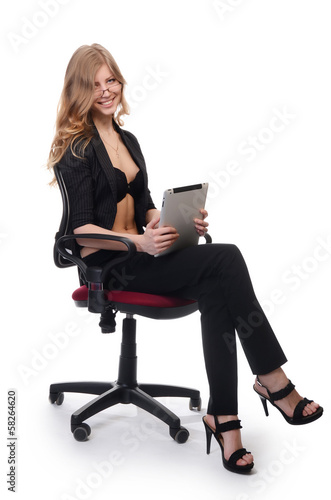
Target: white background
[(225, 71)]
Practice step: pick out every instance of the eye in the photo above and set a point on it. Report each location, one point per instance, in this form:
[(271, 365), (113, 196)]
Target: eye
[(111, 80)]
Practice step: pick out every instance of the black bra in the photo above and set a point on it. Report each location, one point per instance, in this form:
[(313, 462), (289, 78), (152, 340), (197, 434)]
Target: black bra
[(134, 188)]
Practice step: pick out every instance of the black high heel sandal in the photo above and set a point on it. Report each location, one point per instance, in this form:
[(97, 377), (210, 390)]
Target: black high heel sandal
[(230, 464), (298, 418)]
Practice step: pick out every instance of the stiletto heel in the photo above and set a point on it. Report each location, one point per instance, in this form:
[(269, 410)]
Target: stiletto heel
[(209, 434), (264, 404), (298, 418), (230, 464)]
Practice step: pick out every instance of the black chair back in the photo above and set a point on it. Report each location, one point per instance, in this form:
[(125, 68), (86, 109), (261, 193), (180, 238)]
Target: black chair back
[(64, 229)]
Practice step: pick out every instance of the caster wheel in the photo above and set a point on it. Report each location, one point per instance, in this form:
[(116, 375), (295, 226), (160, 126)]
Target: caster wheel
[(195, 404), (180, 435), (57, 398), (82, 432)]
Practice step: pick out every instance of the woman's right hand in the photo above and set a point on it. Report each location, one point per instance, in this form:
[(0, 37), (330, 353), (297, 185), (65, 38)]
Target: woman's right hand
[(157, 239)]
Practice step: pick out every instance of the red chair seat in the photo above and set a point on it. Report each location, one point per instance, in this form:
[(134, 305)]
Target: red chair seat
[(135, 298)]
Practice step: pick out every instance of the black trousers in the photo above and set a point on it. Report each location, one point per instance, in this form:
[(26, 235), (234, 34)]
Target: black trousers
[(217, 277)]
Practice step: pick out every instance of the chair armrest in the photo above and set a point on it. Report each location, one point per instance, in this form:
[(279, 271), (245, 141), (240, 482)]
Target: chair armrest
[(78, 261), (207, 238), (94, 274)]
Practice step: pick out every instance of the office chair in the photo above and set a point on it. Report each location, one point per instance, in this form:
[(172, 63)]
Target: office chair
[(107, 303)]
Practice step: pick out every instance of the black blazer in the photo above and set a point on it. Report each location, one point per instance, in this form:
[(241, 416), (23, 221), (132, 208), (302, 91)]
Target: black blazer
[(91, 184)]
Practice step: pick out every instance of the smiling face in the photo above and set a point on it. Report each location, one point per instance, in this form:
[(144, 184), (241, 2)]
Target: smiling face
[(108, 93)]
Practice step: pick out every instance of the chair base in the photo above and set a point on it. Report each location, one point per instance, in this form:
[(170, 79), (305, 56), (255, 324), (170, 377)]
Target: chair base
[(110, 394), (126, 390)]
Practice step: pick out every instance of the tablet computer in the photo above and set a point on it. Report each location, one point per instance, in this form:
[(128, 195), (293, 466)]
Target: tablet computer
[(180, 206)]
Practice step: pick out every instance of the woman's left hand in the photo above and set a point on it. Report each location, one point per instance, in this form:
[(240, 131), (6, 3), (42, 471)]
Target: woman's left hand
[(200, 224)]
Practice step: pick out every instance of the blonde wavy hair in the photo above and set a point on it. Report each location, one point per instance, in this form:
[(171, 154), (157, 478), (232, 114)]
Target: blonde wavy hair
[(74, 125)]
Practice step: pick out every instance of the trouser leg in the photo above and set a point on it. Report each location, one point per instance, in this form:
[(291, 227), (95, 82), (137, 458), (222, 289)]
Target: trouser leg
[(220, 354), (228, 303)]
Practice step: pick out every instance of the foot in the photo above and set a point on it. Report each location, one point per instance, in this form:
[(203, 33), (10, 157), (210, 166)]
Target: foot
[(231, 440), (277, 380)]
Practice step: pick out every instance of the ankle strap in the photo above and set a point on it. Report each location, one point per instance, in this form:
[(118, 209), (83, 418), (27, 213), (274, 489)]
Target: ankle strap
[(275, 396), (226, 426)]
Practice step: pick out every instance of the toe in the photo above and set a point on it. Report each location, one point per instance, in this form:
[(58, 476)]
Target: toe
[(245, 460), (241, 462), (307, 411), (310, 408)]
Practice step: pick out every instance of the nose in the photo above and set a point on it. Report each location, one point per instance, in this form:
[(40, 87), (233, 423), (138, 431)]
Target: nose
[(106, 90)]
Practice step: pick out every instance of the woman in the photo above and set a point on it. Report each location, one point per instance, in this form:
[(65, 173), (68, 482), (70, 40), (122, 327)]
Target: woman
[(106, 179)]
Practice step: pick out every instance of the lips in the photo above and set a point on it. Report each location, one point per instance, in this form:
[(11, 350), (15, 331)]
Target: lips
[(106, 103)]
